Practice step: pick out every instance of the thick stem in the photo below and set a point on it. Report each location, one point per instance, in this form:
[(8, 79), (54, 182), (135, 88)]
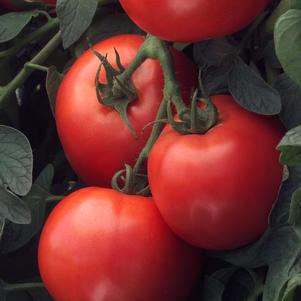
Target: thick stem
[(157, 128), (156, 49), (7, 90)]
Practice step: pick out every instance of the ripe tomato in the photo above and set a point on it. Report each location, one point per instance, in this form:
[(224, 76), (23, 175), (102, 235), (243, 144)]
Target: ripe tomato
[(95, 139), (193, 20), (216, 190), (99, 244)]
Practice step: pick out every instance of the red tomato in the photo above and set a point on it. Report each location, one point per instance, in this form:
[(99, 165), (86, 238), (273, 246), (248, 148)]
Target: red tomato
[(95, 139), (216, 190), (101, 245), (193, 20)]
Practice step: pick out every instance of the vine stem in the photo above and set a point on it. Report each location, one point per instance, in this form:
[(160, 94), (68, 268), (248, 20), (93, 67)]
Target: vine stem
[(157, 49), (153, 48), (156, 131), (6, 91), (50, 25), (22, 286)]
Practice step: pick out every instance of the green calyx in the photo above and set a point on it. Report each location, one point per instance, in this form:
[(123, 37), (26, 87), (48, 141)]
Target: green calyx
[(196, 119), (117, 93), (129, 182)]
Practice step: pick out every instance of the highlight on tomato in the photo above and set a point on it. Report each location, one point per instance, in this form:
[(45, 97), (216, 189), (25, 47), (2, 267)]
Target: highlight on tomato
[(195, 20), (216, 190), (99, 244), (95, 139)]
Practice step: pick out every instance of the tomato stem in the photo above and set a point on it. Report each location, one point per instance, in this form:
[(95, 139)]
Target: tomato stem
[(155, 48), (6, 91), (22, 286)]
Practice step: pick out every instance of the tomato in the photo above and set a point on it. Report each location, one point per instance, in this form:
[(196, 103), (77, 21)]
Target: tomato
[(99, 244), (95, 139), (193, 20), (216, 190)]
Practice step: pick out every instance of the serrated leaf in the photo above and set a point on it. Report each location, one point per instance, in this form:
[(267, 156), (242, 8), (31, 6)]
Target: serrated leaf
[(12, 24), (16, 236), (251, 91), (295, 211), (287, 36), (53, 82), (13, 208), (16, 161), (75, 17), (290, 94), (290, 147)]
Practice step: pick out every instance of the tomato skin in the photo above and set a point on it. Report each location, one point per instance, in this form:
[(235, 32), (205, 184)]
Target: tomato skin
[(95, 139), (183, 21), (216, 190), (101, 245)]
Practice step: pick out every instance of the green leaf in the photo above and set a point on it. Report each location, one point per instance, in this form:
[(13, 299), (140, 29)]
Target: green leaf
[(280, 211), (290, 146), (12, 24), (16, 161), (212, 289), (13, 208), (212, 52), (295, 211), (16, 236), (281, 253), (290, 94), (290, 287), (53, 82), (75, 17), (247, 257), (251, 91), (103, 27), (287, 36)]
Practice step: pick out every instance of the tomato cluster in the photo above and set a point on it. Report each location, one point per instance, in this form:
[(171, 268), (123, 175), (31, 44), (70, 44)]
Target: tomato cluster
[(212, 191)]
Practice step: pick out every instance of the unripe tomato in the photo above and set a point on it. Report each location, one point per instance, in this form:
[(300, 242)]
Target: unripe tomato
[(95, 139), (216, 190), (192, 20), (101, 245)]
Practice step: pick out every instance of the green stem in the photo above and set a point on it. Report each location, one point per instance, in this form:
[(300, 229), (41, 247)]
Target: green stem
[(6, 91), (54, 198), (156, 49), (23, 286), (157, 128), (49, 26), (36, 67)]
